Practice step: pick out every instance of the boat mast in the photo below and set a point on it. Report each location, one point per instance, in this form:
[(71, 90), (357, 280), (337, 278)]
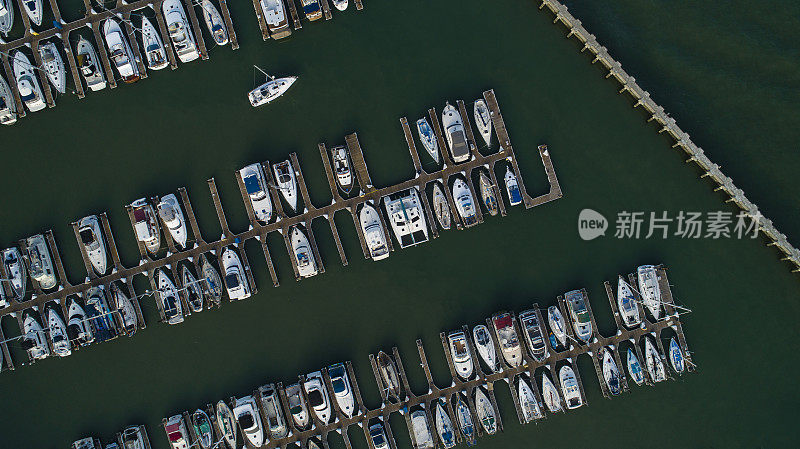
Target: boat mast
[(265, 73)]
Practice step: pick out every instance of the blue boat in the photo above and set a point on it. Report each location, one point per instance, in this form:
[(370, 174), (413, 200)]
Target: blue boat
[(676, 356), (635, 368), (553, 341), (512, 188), (99, 315), (465, 421)]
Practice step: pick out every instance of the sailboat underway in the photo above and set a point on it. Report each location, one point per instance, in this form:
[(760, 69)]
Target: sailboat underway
[(271, 90)]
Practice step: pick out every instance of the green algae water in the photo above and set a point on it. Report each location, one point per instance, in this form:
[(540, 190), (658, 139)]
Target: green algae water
[(728, 74)]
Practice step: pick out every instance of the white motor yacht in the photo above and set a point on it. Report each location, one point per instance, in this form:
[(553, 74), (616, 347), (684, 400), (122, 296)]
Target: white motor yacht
[(133, 437), (53, 65), (29, 90), (465, 203), (581, 319), (459, 351), (120, 51), (169, 209), (146, 225), (557, 324), (341, 5), (226, 424), (652, 358), (406, 217), (628, 309), (93, 243), (527, 401), (342, 391), (550, 394), (8, 105), (34, 10), (454, 133), (39, 262), (58, 333), (236, 281), (6, 16), (297, 406), (78, 328), (245, 410), (569, 386), (483, 121), (373, 232), (507, 336), (303, 255), (34, 340), (15, 269), (178, 436), (286, 181), (214, 22), (512, 187), (275, 15), (534, 334), (341, 167), (258, 191), (428, 138), (485, 347), (89, 64), (318, 397), (440, 206), (154, 51), (170, 301), (273, 412), (180, 32), (270, 90), (649, 290)]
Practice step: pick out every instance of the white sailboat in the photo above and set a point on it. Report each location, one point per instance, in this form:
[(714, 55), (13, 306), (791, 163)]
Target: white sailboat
[(527, 401), (444, 426), (550, 394), (6, 16), (427, 138), (130, 321), (635, 368), (610, 372), (270, 90), (557, 324), (440, 206), (34, 10), (15, 269), (287, 183), (53, 65), (485, 411), (483, 121), (485, 347), (649, 290), (214, 22), (655, 367), (628, 309), (154, 51)]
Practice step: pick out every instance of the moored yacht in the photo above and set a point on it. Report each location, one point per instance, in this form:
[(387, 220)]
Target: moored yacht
[(245, 410), (318, 397), (444, 425), (377, 436), (146, 225), (550, 394), (440, 206), (34, 10), (406, 217), (676, 356), (194, 291), (201, 424), (342, 391), (120, 51), (8, 105), (569, 386), (180, 32), (236, 281), (214, 22), (534, 335), (388, 372), (170, 301), (93, 243), (78, 328), (303, 255), (465, 203), (635, 368), (311, 9), (557, 324), (276, 18), (6, 16), (258, 191), (270, 90), (169, 209), (428, 138), (58, 333), (527, 401), (178, 436), (286, 181), (226, 424), (464, 418), (53, 65), (485, 411), (15, 269), (454, 133), (273, 412), (341, 5), (649, 290), (507, 336), (297, 406), (33, 337), (154, 51), (628, 309), (372, 228), (485, 347), (512, 187), (39, 262), (89, 64), (581, 320), (99, 315), (459, 351), (487, 193), (652, 358), (341, 167), (212, 283), (126, 310), (134, 437), (610, 371), (422, 436), (29, 90), (483, 121)]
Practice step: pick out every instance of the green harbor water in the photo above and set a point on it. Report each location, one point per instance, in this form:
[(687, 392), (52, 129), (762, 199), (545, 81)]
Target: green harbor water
[(727, 72)]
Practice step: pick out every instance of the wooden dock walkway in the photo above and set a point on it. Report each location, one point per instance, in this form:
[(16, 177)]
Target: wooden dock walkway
[(226, 17), (357, 156), (293, 14)]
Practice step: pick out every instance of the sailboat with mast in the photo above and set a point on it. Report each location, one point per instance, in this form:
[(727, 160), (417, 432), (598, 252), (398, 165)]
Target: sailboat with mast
[(270, 90)]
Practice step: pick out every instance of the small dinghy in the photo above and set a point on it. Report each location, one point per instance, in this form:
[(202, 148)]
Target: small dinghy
[(628, 309), (487, 194), (655, 367), (341, 166), (53, 65), (341, 5), (527, 401), (557, 324), (15, 269), (444, 426), (8, 106), (6, 20), (388, 373), (89, 64), (512, 188), (154, 50), (485, 347), (676, 356), (126, 310), (440, 206), (465, 203), (635, 368), (202, 428), (287, 183), (610, 371), (34, 10), (271, 90), (170, 302), (194, 292), (58, 333), (464, 418), (570, 388), (213, 283), (373, 232), (485, 411), (483, 121), (226, 424), (29, 90), (214, 22), (428, 138), (550, 395)]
